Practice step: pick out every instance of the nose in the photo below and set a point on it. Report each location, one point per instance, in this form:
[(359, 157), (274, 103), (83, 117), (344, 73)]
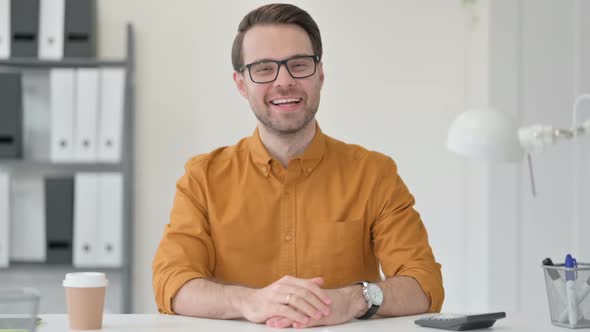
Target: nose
[(284, 78)]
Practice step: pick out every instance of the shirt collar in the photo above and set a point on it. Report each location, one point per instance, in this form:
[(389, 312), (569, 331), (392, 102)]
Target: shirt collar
[(309, 160)]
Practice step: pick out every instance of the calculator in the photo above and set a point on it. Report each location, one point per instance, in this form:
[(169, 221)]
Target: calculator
[(457, 322)]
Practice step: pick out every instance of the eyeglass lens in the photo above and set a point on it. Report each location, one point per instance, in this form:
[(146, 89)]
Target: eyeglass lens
[(268, 71)]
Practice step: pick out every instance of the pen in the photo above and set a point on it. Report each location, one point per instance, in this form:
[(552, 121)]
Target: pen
[(585, 291), (559, 286), (556, 280), (570, 289)]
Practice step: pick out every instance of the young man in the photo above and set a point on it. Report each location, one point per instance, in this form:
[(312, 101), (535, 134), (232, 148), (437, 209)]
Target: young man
[(289, 226)]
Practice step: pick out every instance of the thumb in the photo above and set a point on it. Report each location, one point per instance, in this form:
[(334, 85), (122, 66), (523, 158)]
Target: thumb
[(317, 280), (273, 320)]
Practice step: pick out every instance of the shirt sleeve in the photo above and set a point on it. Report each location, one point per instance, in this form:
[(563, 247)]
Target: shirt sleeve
[(186, 250), (400, 238)]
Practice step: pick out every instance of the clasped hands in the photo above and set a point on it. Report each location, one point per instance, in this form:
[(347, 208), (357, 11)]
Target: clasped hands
[(299, 303)]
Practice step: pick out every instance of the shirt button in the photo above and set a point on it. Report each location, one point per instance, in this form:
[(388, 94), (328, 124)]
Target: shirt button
[(288, 237), (309, 170)]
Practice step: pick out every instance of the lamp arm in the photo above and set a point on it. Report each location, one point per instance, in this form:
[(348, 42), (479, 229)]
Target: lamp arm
[(537, 138), (585, 127)]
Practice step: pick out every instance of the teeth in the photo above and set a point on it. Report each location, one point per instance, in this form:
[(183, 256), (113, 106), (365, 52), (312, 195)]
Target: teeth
[(284, 101)]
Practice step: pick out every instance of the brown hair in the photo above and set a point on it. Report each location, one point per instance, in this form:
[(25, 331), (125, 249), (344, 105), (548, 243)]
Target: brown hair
[(277, 13)]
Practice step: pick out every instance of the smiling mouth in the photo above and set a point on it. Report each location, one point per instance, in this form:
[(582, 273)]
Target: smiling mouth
[(286, 101)]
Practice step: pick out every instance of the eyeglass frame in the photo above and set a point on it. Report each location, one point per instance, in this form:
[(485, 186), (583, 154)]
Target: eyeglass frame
[(316, 60)]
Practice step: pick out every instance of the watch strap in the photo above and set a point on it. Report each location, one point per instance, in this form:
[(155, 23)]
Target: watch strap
[(370, 313)]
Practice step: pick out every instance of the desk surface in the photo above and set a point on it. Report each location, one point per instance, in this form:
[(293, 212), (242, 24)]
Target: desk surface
[(157, 323)]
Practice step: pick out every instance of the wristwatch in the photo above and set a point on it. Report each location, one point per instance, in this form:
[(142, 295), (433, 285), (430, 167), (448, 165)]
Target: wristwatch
[(374, 297)]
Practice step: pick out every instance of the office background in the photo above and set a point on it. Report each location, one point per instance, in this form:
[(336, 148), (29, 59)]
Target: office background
[(397, 74)]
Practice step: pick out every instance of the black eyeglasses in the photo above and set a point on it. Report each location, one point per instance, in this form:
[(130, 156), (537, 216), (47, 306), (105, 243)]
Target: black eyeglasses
[(267, 71)]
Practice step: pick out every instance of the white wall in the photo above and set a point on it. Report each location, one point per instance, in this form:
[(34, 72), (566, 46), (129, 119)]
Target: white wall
[(554, 72), (396, 76), (537, 64)]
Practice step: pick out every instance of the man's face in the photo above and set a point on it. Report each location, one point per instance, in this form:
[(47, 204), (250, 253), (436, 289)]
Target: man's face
[(286, 105)]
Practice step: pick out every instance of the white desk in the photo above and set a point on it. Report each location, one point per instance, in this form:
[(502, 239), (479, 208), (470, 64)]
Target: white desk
[(161, 323)]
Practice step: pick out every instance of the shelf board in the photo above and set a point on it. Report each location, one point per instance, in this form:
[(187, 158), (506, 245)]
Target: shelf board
[(68, 62), (80, 167), (15, 266)]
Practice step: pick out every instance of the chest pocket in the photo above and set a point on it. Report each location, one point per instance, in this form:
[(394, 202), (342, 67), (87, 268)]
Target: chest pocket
[(334, 249)]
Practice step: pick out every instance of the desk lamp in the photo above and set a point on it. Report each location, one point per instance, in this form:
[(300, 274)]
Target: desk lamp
[(492, 135)]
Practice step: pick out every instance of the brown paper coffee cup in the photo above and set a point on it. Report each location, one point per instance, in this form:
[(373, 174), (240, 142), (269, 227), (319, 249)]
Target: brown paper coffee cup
[(85, 295)]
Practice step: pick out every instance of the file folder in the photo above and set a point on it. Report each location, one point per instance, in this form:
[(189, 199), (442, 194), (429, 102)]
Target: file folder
[(4, 218), (86, 117), (62, 103), (85, 220), (24, 25), (80, 38), (59, 214), (112, 102), (10, 115), (98, 220), (4, 29), (36, 115), (27, 218), (110, 220), (51, 29)]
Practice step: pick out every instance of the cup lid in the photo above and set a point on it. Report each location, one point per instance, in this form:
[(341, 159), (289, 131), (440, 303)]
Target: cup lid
[(85, 279)]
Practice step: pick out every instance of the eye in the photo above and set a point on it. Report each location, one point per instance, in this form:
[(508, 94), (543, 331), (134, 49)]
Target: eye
[(263, 68), (299, 65)]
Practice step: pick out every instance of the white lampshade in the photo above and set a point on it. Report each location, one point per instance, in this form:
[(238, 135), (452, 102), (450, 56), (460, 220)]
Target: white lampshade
[(485, 134)]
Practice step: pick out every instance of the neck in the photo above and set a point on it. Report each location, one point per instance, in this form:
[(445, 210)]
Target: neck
[(284, 147)]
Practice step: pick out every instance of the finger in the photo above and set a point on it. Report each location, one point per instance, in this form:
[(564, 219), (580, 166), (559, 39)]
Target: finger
[(292, 314), (273, 320), (305, 307), (278, 322), (299, 325), (311, 286), (320, 281), (283, 323), (317, 280), (303, 298), (308, 285)]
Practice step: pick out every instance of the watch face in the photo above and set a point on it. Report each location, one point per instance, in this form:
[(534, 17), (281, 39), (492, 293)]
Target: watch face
[(375, 294)]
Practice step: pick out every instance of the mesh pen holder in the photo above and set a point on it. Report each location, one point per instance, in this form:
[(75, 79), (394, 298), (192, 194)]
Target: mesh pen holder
[(18, 309), (568, 294)]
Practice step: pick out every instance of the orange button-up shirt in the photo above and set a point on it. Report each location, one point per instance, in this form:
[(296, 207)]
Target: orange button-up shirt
[(338, 211)]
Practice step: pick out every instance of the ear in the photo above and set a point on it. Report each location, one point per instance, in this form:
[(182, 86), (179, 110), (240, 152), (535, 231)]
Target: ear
[(240, 84), (321, 73)]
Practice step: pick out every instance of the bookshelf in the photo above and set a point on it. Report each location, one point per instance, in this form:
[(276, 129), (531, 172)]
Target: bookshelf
[(48, 277)]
